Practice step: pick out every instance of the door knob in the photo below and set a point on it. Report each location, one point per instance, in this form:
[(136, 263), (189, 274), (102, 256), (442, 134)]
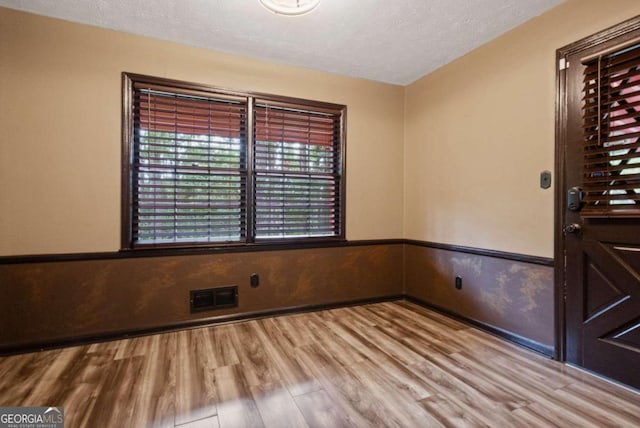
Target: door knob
[(572, 228)]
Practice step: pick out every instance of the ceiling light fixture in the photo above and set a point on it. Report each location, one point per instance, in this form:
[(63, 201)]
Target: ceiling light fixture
[(290, 7)]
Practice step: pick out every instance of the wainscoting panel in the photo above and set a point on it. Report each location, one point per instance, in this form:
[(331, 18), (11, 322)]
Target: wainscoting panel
[(513, 298), (51, 302)]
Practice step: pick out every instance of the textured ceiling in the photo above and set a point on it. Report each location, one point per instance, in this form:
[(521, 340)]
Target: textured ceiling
[(392, 41)]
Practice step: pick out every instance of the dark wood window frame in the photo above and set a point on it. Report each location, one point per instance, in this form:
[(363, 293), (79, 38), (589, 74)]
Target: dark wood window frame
[(325, 125)]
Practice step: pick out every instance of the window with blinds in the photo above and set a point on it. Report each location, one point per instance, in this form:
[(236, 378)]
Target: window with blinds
[(297, 172), (208, 167), (612, 134)]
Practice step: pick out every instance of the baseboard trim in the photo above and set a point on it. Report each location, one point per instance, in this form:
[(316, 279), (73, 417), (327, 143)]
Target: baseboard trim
[(544, 261), (546, 350), (185, 325)]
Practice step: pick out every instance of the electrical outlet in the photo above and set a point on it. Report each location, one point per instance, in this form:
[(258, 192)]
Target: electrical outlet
[(458, 283), (254, 280)]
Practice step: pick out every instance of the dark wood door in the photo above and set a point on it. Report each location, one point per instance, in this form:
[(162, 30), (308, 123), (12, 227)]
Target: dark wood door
[(601, 236)]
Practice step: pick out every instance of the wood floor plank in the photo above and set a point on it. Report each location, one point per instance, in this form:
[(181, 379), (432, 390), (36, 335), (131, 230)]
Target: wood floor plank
[(155, 395), (404, 379), (558, 416), (536, 392), (324, 334), (117, 398), (470, 400), (277, 407), (397, 401), (319, 410), (22, 374), (392, 364), (16, 366), (355, 401), (409, 325), (434, 317), (224, 349), (389, 345), (134, 347), (56, 380), (350, 335), (599, 398), (527, 417), (449, 413), (295, 329), (367, 315), (580, 404), (288, 370), (252, 355), (195, 394), (80, 402), (476, 378), (236, 407)]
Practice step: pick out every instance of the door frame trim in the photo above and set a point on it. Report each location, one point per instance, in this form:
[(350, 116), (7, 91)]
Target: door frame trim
[(589, 42)]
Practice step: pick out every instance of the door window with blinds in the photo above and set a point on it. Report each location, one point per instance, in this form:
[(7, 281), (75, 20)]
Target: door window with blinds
[(203, 166), (612, 134)]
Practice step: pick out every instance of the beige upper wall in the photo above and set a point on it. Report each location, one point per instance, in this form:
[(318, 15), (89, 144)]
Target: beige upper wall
[(60, 107), (479, 131)]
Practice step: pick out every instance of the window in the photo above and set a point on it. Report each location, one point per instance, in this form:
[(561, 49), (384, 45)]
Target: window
[(612, 134), (204, 166)]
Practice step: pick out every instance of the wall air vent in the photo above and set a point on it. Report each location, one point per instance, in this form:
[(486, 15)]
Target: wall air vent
[(213, 298)]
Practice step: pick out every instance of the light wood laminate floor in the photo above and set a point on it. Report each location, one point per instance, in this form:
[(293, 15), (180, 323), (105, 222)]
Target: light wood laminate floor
[(388, 364)]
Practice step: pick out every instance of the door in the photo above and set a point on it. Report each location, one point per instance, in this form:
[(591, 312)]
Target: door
[(600, 208)]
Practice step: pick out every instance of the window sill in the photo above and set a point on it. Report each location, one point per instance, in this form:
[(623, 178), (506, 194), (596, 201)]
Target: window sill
[(269, 245)]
